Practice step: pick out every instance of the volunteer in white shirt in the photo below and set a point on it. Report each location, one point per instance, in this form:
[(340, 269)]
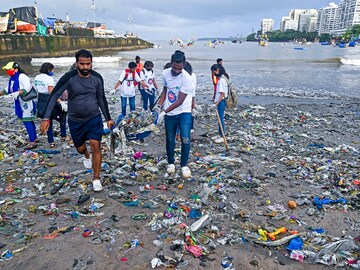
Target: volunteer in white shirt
[(176, 99), (148, 76), (220, 100), (129, 79), (44, 84)]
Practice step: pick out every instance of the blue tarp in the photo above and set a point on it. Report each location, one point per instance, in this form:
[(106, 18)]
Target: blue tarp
[(49, 22)]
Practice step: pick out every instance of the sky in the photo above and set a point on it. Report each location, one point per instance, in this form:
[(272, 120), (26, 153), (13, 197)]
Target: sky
[(164, 19)]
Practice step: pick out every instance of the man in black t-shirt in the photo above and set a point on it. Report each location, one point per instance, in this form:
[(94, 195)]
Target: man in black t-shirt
[(85, 97)]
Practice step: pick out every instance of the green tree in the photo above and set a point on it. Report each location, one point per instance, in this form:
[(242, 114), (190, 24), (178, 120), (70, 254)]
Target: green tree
[(251, 37)]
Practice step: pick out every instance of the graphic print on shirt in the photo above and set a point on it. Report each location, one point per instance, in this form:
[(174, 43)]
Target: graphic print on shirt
[(171, 97)]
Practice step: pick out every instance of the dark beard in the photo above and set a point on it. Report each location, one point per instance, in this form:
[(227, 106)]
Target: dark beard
[(84, 72)]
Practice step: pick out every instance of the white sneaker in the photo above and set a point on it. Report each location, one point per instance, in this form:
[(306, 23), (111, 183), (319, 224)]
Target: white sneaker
[(170, 169), (192, 130), (215, 137), (97, 186), (186, 173), (219, 140), (87, 162)]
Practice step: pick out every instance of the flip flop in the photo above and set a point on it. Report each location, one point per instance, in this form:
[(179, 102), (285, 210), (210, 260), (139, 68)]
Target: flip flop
[(197, 224)]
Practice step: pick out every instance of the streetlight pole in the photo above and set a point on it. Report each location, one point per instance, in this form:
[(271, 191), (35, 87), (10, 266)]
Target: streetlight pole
[(130, 18), (93, 7)]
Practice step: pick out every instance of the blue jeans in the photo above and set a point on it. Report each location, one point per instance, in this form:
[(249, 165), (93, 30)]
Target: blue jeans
[(31, 130), (221, 110), (50, 133), (183, 121), (131, 104), (147, 98), (63, 128)]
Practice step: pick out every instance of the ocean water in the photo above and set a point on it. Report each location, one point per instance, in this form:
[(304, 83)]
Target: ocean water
[(280, 70)]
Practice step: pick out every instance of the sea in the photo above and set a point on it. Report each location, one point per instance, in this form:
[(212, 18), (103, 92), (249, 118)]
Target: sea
[(279, 72)]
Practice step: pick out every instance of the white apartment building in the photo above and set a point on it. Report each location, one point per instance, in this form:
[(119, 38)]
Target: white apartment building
[(307, 21), (348, 15), (327, 20), (267, 25), (291, 21)]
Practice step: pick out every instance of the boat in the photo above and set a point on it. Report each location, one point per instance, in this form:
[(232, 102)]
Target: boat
[(352, 44), (263, 41)]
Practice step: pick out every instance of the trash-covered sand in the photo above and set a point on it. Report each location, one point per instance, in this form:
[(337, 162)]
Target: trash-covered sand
[(285, 196)]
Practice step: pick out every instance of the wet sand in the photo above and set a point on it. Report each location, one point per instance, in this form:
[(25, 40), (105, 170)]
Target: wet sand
[(275, 154)]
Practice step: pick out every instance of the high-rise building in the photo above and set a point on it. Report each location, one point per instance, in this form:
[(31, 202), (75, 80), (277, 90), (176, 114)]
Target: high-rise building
[(307, 20), (267, 25), (327, 20), (348, 15), (291, 21)]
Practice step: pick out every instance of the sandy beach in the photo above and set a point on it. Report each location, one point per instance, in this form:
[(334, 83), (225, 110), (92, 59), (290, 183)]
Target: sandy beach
[(277, 153)]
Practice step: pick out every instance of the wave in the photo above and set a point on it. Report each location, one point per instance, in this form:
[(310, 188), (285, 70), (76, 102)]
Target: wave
[(70, 60), (244, 90), (348, 61), (326, 60)]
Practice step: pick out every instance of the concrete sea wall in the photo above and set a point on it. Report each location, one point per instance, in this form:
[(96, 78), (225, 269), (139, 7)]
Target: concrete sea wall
[(23, 47)]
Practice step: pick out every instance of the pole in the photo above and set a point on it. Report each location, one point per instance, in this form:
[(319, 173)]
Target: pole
[(222, 130), (93, 7)]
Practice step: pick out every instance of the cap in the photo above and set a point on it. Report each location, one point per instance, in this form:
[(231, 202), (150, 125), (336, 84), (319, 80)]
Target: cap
[(11, 65)]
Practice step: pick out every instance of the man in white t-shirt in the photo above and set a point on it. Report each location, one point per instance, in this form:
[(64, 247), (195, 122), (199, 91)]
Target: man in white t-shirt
[(176, 99), (129, 79)]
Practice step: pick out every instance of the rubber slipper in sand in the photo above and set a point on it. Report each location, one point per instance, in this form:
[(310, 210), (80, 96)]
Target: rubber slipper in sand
[(197, 224)]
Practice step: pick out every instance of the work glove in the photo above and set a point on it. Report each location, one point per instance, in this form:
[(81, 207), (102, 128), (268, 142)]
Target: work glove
[(112, 92), (195, 112), (157, 108), (213, 106), (149, 91), (13, 96), (161, 117), (64, 106)]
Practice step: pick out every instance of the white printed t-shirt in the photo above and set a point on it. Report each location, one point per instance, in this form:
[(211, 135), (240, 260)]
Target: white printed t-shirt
[(221, 87), (148, 77), (127, 88), (175, 84), (41, 83)]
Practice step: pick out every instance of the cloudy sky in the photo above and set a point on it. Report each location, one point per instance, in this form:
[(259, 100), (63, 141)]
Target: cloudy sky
[(163, 19)]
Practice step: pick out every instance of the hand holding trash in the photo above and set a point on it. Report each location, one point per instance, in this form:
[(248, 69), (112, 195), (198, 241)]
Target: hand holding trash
[(110, 124), (149, 91), (161, 117), (14, 95), (112, 92), (213, 106), (157, 108), (196, 111), (44, 126), (64, 106)]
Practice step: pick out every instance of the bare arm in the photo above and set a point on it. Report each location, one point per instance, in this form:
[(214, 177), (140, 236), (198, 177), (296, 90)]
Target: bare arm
[(117, 84), (143, 84), (222, 95), (155, 84), (193, 103), (163, 96)]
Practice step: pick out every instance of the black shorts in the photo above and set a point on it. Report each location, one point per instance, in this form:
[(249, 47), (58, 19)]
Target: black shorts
[(91, 129)]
